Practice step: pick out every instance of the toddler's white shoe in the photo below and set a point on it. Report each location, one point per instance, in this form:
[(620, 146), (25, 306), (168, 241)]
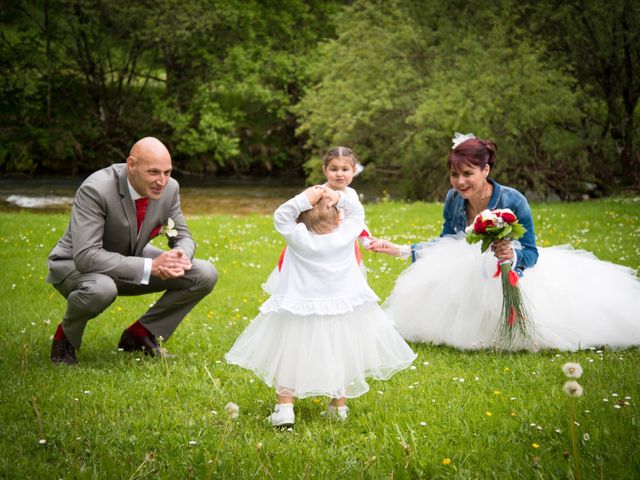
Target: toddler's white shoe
[(282, 415), (336, 413)]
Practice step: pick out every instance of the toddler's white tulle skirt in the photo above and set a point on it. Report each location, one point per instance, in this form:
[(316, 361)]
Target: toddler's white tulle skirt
[(575, 301), (329, 355)]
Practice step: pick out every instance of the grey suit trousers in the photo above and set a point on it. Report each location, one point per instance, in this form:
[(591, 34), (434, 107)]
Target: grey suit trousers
[(89, 294)]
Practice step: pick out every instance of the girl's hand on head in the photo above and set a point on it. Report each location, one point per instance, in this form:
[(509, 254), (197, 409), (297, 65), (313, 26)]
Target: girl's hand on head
[(314, 194), (502, 250), (332, 196)]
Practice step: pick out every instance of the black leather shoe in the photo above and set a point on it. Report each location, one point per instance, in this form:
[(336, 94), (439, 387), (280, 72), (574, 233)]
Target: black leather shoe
[(63, 352), (147, 344)]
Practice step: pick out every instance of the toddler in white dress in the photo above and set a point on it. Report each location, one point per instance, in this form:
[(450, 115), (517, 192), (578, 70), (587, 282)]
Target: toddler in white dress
[(322, 331), (339, 165)]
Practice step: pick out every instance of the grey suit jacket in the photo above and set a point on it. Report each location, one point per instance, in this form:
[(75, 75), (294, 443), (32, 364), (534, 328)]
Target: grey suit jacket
[(101, 236)]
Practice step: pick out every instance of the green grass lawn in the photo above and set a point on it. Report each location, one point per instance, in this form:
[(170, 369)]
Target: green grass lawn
[(452, 415)]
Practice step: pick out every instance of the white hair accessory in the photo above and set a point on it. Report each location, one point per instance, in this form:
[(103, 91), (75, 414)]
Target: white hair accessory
[(458, 138), (359, 168)]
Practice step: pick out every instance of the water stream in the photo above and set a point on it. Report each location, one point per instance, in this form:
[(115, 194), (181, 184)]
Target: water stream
[(198, 197)]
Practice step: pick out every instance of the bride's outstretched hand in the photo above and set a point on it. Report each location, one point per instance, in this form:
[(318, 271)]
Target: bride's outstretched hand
[(384, 246)]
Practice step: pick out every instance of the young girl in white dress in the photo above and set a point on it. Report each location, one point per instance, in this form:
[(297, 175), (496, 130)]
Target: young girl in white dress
[(339, 165), (322, 331), (449, 295)]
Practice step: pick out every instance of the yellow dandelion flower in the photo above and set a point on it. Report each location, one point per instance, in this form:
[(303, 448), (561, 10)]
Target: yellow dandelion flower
[(497, 392), (446, 461), (535, 445), (488, 413), (506, 369), (513, 414)]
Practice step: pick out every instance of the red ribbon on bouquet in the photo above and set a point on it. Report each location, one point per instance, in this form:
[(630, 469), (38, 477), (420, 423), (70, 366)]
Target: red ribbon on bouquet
[(513, 276)]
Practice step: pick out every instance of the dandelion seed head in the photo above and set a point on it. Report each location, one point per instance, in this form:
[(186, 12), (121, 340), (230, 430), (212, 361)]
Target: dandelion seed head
[(572, 370), (573, 388), (42, 441), (232, 409)]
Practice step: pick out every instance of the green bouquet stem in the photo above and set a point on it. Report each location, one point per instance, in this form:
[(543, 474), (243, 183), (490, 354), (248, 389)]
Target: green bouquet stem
[(515, 326)]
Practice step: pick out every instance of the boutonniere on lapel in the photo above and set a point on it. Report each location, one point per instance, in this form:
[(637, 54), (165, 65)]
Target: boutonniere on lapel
[(167, 229)]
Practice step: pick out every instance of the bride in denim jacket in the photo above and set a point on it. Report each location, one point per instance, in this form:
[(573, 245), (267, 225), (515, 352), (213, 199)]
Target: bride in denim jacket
[(449, 296)]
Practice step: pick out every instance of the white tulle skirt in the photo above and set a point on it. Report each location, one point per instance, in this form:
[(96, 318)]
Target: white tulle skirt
[(329, 355), (575, 301)]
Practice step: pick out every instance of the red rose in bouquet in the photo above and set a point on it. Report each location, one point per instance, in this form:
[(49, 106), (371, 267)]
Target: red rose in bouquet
[(480, 225), (489, 226)]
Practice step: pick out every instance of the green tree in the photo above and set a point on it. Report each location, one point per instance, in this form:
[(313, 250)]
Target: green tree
[(214, 79), (599, 41), (402, 76)]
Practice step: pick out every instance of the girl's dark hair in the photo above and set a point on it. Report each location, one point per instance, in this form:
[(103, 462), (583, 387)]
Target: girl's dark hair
[(475, 152), (339, 152)]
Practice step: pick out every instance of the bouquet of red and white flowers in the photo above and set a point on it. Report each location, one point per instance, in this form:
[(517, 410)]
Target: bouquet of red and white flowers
[(489, 226)]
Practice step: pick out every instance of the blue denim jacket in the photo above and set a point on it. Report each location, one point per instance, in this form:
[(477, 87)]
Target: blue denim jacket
[(455, 219)]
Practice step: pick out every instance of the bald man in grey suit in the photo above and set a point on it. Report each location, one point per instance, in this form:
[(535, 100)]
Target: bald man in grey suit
[(105, 252)]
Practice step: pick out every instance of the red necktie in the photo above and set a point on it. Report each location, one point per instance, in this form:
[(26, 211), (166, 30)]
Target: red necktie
[(141, 209)]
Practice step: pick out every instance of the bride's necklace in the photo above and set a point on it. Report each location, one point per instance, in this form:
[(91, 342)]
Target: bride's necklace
[(473, 211)]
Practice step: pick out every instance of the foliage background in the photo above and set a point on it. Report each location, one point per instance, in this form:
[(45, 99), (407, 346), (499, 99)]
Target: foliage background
[(262, 88)]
